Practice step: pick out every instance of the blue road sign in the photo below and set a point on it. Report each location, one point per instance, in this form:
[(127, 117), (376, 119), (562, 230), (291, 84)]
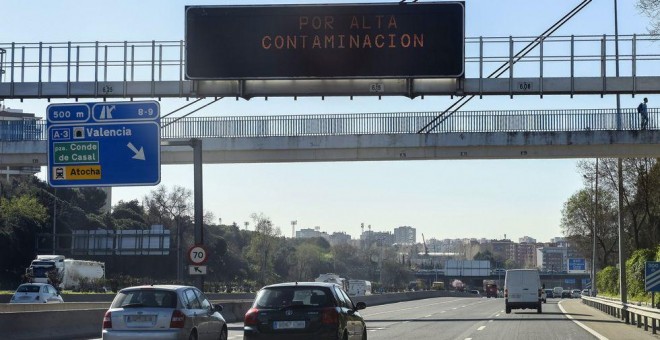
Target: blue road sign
[(652, 276), (104, 144), (577, 265)]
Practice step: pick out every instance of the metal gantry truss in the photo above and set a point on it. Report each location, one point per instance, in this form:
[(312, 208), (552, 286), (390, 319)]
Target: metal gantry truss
[(561, 65)]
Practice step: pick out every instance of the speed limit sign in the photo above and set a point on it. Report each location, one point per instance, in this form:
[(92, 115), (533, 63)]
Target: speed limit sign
[(198, 255)]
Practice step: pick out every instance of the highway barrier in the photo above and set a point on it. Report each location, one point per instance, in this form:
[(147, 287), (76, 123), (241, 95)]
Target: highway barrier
[(83, 319), (640, 316)]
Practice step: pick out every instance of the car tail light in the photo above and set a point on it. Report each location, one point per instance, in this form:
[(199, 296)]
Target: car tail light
[(178, 319), (506, 292), (329, 316), (107, 321), (251, 317)]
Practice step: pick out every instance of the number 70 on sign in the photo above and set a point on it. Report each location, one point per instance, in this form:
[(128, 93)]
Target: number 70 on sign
[(198, 255)]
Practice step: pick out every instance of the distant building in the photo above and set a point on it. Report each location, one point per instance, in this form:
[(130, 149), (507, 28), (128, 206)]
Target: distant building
[(379, 238), (340, 238), (16, 126), (405, 235), (552, 259), (311, 233), (526, 239)]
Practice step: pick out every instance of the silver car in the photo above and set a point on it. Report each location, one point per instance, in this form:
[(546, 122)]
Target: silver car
[(163, 312), (36, 293)]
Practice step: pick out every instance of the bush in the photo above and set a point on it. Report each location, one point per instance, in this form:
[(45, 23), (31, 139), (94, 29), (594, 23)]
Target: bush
[(635, 267), (607, 280)]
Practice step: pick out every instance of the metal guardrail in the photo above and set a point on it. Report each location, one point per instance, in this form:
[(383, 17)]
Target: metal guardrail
[(631, 314), (373, 123)]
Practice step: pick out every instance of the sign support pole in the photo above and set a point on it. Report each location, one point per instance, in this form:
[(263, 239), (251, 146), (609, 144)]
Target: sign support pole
[(198, 201)]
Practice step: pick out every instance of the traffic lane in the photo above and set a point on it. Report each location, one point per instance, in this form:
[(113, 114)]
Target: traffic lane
[(437, 318), (447, 318)]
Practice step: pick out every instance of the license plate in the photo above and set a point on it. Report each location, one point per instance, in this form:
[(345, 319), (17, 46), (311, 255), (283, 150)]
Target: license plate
[(141, 318), (288, 324)]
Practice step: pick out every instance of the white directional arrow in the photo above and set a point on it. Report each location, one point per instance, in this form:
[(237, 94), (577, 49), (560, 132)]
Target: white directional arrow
[(139, 154)]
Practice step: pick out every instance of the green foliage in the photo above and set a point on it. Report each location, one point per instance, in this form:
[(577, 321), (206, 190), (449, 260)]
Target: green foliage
[(486, 255), (607, 280), (635, 267)]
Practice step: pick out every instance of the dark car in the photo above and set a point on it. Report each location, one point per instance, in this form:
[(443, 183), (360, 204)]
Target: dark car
[(566, 294), (163, 312), (304, 310), (549, 293)]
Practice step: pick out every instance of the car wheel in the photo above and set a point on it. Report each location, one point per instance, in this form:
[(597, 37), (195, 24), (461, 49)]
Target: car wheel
[(192, 336), (223, 334)]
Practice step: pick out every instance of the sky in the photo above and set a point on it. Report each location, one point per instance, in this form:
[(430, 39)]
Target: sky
[(440, 198)]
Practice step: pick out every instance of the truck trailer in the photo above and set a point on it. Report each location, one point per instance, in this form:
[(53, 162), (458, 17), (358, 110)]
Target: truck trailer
[(65, 273)]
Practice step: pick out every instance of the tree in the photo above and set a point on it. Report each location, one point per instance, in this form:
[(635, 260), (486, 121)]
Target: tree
[(651, 8), (262, 245), (580, 214), (21, 218), (485, 256), (173, 209)]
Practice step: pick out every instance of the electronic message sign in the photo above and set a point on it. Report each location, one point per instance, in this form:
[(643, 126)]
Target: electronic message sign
[(411, 40)]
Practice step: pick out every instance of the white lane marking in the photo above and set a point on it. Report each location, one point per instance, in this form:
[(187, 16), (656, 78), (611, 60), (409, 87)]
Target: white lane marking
[(443, 311), (481, 328), (428, 316), (497, 316), (490, 320), (410, 308), (468, 338), (594, 333)]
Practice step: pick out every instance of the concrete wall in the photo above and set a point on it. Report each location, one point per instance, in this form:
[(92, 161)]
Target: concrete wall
[(84, 319)]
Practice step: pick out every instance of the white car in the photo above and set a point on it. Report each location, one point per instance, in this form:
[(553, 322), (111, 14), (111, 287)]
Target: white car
[(576, 294), (36, 293), (163, 312)]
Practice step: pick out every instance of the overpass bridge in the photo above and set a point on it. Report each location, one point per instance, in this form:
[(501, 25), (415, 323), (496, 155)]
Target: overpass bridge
[(528, 134)]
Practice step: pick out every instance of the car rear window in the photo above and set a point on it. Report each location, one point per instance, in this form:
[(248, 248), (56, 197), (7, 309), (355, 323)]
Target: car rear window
[(145, 298), (28, 289), (277, 297)]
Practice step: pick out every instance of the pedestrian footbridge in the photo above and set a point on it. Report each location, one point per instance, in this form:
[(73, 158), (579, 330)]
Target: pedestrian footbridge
[(528, 134)]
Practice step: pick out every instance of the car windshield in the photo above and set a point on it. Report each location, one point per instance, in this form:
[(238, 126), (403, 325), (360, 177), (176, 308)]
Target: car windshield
[(28, 289), (145, 298), (278, 297)]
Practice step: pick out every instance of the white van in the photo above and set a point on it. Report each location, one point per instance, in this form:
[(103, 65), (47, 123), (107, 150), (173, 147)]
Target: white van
[(522, 290)]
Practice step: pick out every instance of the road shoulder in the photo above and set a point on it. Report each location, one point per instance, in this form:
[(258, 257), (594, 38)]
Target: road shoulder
[(602, 324)]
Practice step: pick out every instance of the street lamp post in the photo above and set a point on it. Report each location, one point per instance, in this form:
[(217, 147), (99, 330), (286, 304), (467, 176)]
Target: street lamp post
[(293, 228), (593, 236)]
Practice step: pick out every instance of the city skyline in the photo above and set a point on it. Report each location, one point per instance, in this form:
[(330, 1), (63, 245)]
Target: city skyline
[(446, 199)]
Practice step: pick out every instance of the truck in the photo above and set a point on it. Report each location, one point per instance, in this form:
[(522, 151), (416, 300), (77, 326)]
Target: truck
[(359, 287), (490, 288), (333, 278), (66, 273)]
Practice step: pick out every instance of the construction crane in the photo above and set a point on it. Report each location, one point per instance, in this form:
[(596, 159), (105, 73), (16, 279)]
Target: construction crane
[(426, 249)]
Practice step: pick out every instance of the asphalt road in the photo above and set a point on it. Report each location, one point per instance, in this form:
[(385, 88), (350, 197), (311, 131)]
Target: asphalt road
[(481, 318)]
